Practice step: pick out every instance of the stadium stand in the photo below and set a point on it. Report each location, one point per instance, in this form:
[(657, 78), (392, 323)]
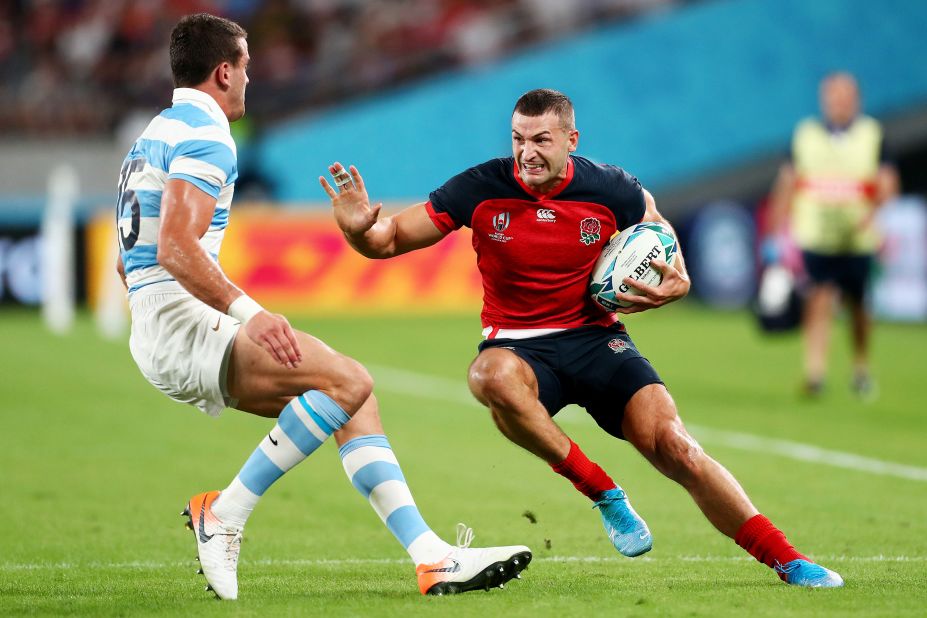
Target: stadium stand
[(80, 67), (696, 98), (675, 98)]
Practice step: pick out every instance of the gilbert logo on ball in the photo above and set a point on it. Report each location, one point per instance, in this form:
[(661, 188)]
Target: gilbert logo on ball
[(629, 255)]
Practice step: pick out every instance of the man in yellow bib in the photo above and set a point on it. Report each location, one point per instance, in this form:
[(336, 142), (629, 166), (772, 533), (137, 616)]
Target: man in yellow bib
[(829, 192)]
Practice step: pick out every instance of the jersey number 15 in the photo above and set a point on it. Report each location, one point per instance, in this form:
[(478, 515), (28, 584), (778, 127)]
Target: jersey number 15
[(128, 200)]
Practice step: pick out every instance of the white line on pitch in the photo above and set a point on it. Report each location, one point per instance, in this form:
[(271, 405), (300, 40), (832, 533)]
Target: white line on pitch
[(39, 566), (455, 391)]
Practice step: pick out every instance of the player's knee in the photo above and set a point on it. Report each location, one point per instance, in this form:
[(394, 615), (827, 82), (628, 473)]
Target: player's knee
[(352, 384), (492, 376), (680, 456)]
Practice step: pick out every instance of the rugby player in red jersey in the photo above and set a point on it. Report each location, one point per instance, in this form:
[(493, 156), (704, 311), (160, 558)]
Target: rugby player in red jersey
[(539, 221)]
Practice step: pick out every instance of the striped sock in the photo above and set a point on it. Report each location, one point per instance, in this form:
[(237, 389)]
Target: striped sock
[(373, 469), (302, 427)]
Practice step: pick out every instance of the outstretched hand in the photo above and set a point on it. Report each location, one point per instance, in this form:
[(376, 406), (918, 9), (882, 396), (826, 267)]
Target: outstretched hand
[(350, 202), (674, 286)]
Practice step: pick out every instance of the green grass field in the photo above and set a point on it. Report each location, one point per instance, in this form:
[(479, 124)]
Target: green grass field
[(96, 466)]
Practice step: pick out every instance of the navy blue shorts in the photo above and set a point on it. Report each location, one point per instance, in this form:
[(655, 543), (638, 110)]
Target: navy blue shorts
[(848, 272), (595, 367)]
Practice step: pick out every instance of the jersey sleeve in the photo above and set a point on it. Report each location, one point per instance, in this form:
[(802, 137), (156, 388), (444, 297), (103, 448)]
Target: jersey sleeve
[(208, 165), (451, 205), (629, 198)]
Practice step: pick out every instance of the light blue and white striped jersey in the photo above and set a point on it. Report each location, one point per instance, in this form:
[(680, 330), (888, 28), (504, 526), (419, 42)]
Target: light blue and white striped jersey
[(190, 141)]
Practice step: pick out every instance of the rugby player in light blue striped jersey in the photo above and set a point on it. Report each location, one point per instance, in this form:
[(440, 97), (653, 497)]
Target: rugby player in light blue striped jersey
[(200, 340)]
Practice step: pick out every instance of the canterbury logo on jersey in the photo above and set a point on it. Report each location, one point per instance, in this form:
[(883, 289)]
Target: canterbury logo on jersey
[(545, 215)]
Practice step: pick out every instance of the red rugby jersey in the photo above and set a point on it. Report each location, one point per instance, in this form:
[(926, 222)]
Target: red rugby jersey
[(536, 252)]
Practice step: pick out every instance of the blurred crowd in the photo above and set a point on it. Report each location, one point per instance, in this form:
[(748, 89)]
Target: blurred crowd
[(76, 67)]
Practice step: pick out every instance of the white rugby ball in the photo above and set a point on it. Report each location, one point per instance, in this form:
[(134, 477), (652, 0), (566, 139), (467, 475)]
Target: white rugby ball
[(629, 255)]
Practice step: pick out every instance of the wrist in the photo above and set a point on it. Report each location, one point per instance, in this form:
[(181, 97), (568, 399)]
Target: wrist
[(244, 308)]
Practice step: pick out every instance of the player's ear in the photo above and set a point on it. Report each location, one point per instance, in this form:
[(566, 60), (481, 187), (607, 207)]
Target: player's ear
[(223, 75), (574, 140)]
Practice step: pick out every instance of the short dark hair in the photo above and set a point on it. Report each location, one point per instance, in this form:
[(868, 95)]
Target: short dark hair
[(542, 100), (200, 43)]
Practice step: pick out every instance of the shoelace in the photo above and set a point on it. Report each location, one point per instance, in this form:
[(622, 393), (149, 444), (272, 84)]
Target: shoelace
[(464, 536), (619, 495), (233, 548), (786, 569)]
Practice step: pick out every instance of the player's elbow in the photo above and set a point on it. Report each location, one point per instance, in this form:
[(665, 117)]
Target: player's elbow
[(650, 209), (169, 254), (165, 254)]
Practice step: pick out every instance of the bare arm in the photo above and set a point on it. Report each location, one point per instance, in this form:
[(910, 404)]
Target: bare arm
[(675, 283), (369, 235), (186, 213)]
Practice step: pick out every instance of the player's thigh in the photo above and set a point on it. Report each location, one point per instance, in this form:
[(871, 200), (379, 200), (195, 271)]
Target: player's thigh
[(605, 370), (255, 377), (269, 407)]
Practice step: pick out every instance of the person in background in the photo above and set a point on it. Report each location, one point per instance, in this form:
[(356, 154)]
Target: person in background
[(828, 193)]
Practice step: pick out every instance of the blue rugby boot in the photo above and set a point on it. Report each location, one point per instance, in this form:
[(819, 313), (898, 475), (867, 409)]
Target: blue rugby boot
[(625, 528), (806, 573)]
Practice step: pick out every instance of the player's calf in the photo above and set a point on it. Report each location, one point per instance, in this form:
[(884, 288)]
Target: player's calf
[(676, 454)]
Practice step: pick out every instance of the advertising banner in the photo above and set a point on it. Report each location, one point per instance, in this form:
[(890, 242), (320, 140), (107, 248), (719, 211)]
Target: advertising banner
[(299, 262)]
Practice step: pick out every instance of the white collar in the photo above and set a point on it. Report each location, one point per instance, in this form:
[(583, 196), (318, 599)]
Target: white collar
[(202, 100)]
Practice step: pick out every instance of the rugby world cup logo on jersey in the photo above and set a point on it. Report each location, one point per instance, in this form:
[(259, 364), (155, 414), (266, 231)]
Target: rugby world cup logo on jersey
[(590, 230), (500, 223)]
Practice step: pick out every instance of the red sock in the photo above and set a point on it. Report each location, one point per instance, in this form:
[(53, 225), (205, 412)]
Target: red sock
[(585, 475), (766, 543)]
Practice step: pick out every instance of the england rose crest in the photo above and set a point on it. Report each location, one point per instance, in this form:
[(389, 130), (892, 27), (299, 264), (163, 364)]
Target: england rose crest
[(589, 230), (617, 345)]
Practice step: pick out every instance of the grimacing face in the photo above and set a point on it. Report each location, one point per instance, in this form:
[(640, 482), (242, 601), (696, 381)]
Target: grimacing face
[(239, 82), (541, 146)]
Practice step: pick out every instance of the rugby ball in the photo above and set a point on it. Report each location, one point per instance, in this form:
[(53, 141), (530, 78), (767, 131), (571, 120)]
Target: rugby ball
[(629, 255)]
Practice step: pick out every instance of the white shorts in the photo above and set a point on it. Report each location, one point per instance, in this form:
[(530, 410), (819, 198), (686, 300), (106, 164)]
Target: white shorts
[(182, 345)]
